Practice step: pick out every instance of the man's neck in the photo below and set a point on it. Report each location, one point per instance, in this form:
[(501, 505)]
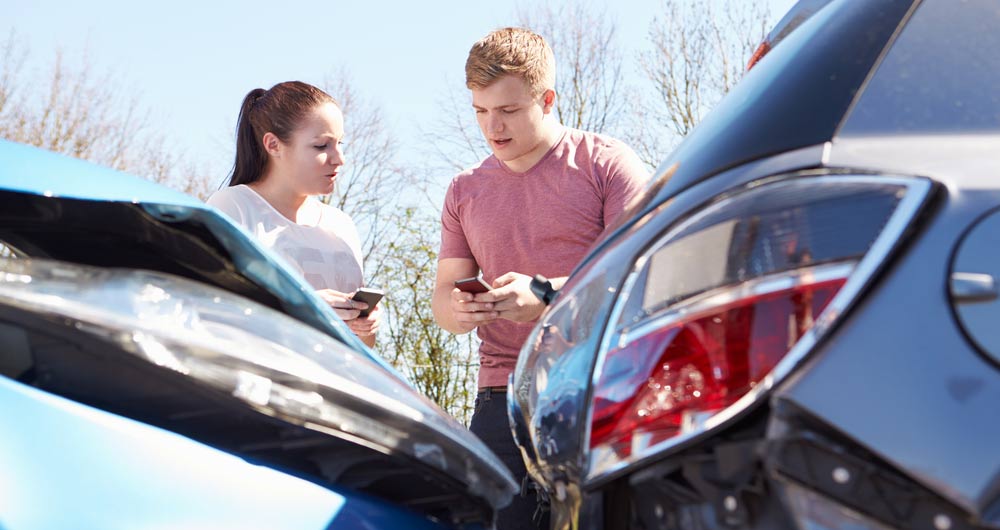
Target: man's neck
[(553, 131)]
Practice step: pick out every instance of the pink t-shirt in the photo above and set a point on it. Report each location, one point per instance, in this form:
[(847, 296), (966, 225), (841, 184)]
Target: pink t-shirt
[(541, 221)]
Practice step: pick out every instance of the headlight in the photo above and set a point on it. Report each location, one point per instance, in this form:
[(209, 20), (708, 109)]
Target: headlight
[(729, 300), (270, 361)]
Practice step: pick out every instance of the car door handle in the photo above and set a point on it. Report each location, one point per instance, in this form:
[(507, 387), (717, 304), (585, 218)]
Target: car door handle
[(973, 287)]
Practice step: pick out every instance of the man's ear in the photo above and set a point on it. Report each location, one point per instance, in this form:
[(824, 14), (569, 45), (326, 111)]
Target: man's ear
[(272, 145), (548, 100)]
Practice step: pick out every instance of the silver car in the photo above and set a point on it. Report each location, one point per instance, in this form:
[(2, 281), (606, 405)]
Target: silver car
[(799, 324)]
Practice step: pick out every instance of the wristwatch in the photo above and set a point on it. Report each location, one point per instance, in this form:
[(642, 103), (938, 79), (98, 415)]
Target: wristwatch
[(542, 288)]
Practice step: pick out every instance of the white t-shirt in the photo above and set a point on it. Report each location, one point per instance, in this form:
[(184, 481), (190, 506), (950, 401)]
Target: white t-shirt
[(324, 248)]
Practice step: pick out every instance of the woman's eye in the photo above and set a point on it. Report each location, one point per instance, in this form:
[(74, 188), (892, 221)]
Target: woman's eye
[(321, 147)]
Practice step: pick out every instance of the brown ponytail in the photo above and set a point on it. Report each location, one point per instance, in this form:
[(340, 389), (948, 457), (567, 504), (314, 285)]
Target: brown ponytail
[(278, 111)]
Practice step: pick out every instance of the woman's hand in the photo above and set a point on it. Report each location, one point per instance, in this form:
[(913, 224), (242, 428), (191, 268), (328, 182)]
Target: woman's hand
[(367, 326), (342, 304), (349, 310)]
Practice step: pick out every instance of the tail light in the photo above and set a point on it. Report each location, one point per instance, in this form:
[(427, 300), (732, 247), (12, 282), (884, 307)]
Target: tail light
[(705, 362), (729, 300), (758, 54)]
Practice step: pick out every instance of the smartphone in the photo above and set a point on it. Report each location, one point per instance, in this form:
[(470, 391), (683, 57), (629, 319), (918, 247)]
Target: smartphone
[(473, 285), (369, 296)]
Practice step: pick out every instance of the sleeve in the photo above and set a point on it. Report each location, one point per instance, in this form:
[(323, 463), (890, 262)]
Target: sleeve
[(626, 178), (226, 201), (454, 244)]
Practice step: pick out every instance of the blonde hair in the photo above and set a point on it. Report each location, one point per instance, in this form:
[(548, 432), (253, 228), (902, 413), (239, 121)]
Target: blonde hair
[(511, 51)]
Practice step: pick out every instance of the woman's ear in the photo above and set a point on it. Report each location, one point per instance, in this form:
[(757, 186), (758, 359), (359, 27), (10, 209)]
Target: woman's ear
[(272, 145)]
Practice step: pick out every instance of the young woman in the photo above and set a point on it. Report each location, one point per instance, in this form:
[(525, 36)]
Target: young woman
[(289, 150)]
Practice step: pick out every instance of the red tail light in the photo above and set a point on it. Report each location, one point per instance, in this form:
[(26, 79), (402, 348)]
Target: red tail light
[(723, 301), (700, 364), (758, 54)]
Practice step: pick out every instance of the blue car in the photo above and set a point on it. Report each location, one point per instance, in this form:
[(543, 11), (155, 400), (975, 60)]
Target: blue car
[(159, 369), (798, 326)]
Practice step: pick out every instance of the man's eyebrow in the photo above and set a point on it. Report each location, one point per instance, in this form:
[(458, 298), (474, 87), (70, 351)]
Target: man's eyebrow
[(504, 106)]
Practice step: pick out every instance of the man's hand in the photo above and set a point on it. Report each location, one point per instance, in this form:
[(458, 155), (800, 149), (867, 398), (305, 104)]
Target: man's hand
[(455, 310), (470, 313), (512, 298)]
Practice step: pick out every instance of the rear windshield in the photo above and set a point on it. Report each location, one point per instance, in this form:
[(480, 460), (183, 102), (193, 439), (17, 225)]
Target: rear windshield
[(797, 96), (942, 74)]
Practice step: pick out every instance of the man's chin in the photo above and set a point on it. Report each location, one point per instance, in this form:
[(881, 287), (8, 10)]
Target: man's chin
[(504, 155)]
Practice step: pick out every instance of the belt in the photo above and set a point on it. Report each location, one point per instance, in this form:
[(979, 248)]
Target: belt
[(492, 390)]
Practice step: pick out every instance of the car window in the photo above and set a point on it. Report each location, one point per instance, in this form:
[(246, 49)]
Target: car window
[(942, 74)]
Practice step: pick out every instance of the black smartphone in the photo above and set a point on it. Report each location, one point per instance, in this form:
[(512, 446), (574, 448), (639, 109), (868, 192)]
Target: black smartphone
[(369, 296), (473, 285)]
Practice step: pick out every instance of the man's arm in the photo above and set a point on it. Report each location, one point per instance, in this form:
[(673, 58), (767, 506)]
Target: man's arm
[(454, 310)]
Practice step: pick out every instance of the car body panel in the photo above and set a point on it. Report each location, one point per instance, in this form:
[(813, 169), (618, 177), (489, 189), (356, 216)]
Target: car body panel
[(160, 337), (973, 284), (938, 379), (55, 455), (940, 76)]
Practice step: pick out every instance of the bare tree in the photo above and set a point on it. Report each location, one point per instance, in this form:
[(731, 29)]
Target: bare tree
[(85, 114), (373, 181), (400, 239), (697, 52), (456, 137), (590, 91), (441, 365), (12, 58)]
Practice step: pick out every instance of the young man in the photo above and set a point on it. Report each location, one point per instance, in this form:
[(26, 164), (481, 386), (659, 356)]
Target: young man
[(533, 207)]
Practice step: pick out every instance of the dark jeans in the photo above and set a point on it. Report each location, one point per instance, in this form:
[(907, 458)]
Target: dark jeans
[(490, 424)]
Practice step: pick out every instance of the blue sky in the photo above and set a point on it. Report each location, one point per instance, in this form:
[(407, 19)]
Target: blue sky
[(191, 63)]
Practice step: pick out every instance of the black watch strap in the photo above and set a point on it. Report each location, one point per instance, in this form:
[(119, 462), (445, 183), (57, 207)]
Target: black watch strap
[(542, 288)]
